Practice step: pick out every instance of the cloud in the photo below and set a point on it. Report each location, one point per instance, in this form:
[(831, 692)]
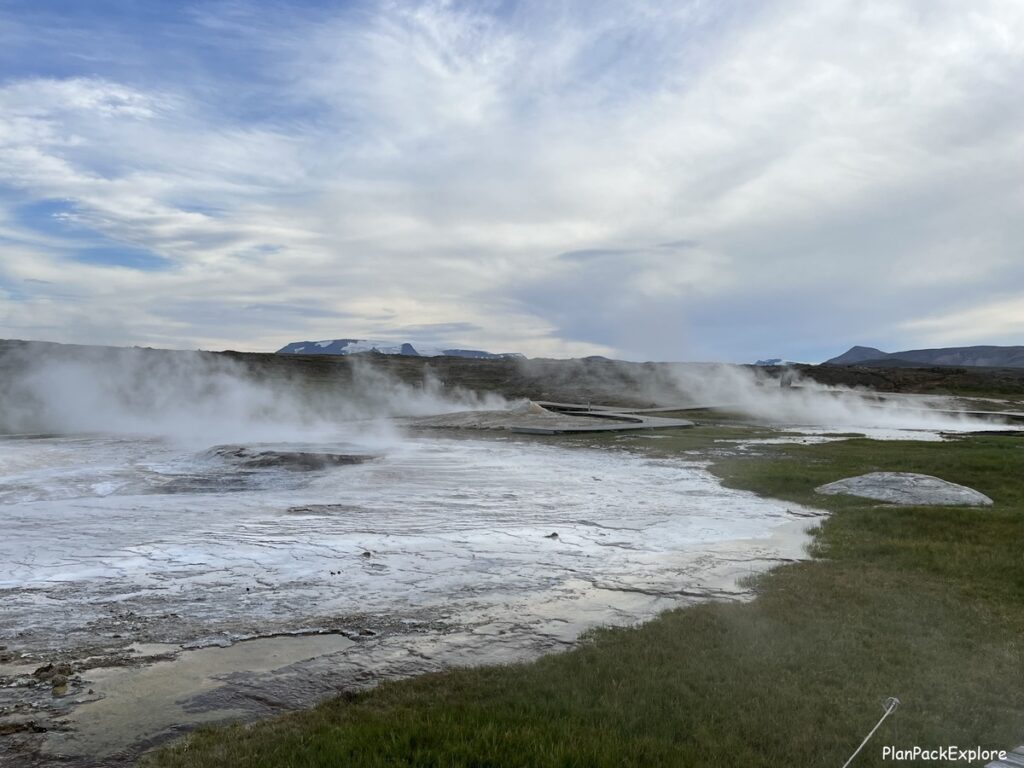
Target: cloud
[(1001, 320), (641, 180)]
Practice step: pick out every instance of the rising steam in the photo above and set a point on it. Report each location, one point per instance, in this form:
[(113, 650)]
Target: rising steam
[(199, 397), (754, 392), (206, 398), (805, 402)]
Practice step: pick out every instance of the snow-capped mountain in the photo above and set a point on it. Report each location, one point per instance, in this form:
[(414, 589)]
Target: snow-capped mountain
[(352, 346)]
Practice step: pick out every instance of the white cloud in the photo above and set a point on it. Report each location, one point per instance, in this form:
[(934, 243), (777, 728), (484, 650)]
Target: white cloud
[(427, 163), (1001, 320)]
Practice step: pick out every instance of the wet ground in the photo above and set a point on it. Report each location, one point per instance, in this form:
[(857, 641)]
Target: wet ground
[(147, 588)]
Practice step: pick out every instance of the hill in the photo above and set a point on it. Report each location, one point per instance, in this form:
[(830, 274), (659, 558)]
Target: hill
[(975, 357), (355, 346)]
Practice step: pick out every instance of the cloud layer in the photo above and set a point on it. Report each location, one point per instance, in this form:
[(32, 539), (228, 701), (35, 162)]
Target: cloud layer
[(643, 180)]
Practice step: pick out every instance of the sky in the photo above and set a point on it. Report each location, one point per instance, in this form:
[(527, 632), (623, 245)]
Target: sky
[(682, 180)]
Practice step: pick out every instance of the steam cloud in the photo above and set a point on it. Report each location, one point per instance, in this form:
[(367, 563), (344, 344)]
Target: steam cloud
[(754, 392), (204, 398), (808, 403)]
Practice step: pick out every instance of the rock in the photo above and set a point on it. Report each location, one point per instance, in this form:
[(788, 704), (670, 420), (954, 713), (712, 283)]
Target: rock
[(366, 555), (551, 536), (26, 726), (256, 458), (210, 641), (907, 489), (52, 671)]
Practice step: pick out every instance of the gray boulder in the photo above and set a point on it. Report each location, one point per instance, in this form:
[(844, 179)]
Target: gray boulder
[(908, 489)]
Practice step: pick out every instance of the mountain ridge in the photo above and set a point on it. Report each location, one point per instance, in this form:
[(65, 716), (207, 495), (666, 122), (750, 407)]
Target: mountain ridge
[(980, 356), (356, 346)]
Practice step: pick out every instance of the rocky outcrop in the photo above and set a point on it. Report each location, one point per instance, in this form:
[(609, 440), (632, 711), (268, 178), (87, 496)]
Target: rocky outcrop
[(252, 457), (907, 489)]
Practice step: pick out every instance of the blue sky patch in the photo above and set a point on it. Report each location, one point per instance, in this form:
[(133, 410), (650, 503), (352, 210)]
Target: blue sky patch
[(44, 215), (121, 256)]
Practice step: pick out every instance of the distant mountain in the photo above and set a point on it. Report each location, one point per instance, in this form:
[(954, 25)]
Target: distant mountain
[(984, 356), (855, 355), (353, 346)]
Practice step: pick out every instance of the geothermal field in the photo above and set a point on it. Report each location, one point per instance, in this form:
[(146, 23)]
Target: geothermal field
[(193, 538)]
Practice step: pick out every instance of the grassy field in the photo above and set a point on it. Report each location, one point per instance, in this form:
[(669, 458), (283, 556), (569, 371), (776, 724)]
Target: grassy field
[(926, 604)]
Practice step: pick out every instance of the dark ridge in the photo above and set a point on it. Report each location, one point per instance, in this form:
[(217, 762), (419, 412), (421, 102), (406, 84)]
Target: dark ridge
[(979, 356)]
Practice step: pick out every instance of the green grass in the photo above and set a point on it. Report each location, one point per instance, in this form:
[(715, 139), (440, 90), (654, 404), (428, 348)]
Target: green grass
[(926, 604)]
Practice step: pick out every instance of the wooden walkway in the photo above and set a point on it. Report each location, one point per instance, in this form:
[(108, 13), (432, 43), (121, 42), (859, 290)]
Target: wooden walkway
[(619, 419)]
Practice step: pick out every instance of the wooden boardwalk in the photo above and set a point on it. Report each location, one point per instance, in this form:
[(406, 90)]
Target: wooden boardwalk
[(619, 419)]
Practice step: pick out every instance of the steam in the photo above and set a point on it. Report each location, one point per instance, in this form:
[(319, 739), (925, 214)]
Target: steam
[(754, 392), (799, 401), (205, 398)]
